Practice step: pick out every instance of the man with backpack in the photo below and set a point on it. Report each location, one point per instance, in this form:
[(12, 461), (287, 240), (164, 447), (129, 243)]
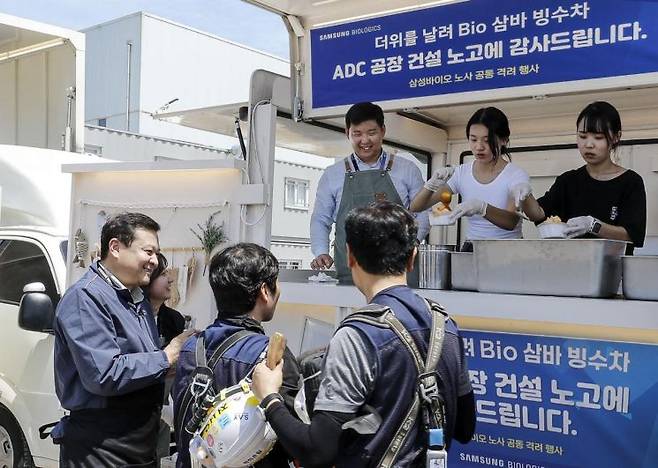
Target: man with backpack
[(395, 370), (244, 281)]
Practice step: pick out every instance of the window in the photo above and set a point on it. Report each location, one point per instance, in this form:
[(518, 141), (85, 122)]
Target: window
[(22, 263), (102, 122), (290, 264), (94, 149), (297, 194)]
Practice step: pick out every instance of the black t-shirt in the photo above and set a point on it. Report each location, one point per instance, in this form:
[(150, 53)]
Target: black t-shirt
[(621, 201), (170, 324)]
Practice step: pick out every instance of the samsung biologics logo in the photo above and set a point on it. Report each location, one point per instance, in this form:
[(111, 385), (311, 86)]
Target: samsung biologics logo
[(350, 32)]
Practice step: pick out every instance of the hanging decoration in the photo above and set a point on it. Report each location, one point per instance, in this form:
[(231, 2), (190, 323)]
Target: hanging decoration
[(211, 235), (81, 248)]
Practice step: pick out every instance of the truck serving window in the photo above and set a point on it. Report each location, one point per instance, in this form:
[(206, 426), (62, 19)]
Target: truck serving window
[(22, 263)]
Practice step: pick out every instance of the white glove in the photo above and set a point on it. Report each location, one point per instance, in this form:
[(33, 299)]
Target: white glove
[(439, 178), (470, 207), (519, 193), (579, 226)]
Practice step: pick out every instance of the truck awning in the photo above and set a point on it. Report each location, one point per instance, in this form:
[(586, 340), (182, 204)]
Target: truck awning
[(298, 136)]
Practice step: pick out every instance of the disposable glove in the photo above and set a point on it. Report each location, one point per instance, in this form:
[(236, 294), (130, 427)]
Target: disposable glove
[(519, 193), (439, 178), (470, 207), (579, 226)]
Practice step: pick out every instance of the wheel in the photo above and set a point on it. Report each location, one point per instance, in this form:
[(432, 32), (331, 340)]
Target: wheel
[(14, 452)]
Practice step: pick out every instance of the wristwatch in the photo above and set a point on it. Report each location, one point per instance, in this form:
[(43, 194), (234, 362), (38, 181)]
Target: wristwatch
[(595, 227), (269, 398)]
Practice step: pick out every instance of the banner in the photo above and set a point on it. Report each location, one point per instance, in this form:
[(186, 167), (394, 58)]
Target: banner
[(560, 402), (481, 45)]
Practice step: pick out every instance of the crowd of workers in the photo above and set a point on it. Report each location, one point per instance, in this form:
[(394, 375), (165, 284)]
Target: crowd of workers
[(120, 352)]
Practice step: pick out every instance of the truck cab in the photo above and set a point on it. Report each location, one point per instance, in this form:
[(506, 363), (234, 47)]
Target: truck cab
[(34, 256)]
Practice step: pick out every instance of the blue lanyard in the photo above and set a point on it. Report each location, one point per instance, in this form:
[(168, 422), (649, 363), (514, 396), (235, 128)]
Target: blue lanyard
[(382, 163)]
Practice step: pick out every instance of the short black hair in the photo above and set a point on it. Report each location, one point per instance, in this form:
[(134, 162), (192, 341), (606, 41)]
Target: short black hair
[(498, 126), (362, 112), (122, 226), (236, 275), (601, 117), (382, 237)]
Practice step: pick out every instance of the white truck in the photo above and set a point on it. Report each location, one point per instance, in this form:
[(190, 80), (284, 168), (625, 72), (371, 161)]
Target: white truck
[(48, 195), (42, 76), (33, 248)]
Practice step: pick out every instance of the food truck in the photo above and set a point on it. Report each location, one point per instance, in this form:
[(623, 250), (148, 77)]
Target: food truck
[(561, 335)]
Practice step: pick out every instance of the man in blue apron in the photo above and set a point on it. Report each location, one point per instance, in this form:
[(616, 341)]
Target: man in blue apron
[(368, 175)]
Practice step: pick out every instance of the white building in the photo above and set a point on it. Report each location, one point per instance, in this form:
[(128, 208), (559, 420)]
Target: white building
[(138, 64)]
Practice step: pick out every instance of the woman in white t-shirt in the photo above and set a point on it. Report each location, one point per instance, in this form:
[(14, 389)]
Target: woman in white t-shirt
[(484, 184)]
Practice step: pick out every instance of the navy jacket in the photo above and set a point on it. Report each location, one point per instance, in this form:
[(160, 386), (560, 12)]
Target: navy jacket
[(106, 348), (232, 367), (396, 382)]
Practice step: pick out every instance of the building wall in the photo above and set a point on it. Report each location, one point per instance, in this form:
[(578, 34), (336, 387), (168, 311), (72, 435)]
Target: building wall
[(107, 72), (291, 226), (171, 61)]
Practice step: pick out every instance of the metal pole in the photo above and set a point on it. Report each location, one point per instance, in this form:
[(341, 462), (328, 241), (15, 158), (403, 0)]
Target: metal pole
[(129, 68)]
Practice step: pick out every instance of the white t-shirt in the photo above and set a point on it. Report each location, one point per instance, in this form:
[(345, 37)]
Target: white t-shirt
[(495, 193)]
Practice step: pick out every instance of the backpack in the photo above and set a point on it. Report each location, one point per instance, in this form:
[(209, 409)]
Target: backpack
[(427, 402), (202, 381)]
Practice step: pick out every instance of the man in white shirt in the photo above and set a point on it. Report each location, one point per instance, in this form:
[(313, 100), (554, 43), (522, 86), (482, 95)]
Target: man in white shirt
[(368, 175)]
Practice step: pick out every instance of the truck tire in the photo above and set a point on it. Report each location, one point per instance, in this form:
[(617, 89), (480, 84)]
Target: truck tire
[(14, 452)]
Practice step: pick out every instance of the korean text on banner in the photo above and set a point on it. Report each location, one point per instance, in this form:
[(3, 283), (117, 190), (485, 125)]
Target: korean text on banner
[(482, 45), (560, 402)]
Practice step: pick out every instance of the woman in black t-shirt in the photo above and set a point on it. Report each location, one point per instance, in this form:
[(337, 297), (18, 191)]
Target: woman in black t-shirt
[(170, 322), (600, 199)]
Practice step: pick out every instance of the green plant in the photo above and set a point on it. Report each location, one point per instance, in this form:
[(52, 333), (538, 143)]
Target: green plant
[(210, 235)]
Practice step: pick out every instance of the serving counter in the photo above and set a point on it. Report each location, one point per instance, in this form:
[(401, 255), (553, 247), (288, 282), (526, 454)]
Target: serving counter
[(550, 374)]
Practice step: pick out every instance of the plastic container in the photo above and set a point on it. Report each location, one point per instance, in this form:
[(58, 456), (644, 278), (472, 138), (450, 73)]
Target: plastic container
[(441, 220), (552, 230)]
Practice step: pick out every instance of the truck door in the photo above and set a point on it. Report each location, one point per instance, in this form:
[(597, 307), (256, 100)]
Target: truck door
[(26, 370)]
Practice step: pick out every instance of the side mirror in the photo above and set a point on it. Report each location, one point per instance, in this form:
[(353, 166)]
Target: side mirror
[(35, 312)]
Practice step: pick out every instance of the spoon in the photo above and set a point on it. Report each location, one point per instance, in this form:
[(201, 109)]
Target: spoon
[(446, 198), (522, 215)]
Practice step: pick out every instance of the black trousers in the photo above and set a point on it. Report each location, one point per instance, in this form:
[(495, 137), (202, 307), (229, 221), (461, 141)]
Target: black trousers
[(110, 438)]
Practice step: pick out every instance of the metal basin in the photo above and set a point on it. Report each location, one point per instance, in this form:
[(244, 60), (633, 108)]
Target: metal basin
[(434, 263), (554, 267), (640, 277), (462, 271)]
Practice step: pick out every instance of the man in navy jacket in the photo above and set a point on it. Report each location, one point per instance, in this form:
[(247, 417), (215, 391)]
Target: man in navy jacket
[(244, 281), (109, 369)]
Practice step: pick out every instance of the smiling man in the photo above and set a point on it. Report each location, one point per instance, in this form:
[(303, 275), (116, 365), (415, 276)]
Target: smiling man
[(368, 175), (109, 370)]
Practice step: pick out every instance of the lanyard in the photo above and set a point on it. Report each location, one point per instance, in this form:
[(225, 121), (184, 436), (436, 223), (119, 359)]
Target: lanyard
[(382, 163)]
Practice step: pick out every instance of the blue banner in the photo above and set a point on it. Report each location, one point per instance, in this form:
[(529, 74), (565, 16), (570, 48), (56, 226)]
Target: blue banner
[(481, 45), (560, 402)]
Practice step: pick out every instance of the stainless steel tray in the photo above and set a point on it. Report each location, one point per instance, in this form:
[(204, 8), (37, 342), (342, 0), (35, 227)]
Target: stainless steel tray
[(462, 271), (554, 267), (640, 277)]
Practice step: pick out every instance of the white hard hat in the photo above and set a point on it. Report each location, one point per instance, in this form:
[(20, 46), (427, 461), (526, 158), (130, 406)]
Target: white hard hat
[(235, 432)]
